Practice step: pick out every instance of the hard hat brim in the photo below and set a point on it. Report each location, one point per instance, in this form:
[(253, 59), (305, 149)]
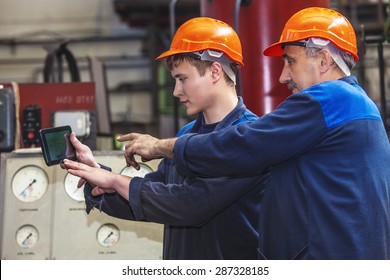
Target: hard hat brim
[(168, 53), (173, 52), (274, 50)]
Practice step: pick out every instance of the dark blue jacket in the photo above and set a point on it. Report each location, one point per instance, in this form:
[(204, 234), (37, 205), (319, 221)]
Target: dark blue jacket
[(328, 195), (214, 218)]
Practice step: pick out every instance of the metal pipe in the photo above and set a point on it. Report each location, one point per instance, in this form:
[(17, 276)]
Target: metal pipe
[(237, 15), (172, 19), (382, 84), (237, 28)]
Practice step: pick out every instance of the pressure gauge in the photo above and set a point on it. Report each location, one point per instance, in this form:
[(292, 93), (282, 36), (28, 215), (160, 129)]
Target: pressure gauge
[(132, 172), (108, 235), (30, 183), (70, 185), (27, 236)]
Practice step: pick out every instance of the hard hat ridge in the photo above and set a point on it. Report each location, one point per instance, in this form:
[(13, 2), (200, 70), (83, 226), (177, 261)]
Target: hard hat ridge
[(204, 33)]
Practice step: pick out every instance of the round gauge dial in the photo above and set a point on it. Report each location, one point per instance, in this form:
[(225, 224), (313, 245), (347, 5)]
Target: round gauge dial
[(27, 236), (108, 235), (70, 185), (132, 172), (30, 183)]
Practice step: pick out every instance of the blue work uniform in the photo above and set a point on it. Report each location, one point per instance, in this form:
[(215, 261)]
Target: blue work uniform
[(204, 218), (328, 195)]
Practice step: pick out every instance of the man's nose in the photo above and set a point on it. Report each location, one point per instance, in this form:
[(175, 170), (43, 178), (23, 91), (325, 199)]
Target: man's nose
[(177, 90), (284, 77)]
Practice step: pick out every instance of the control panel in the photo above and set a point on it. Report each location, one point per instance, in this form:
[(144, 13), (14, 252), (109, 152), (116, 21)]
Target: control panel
[(44, 214), (31, 124)]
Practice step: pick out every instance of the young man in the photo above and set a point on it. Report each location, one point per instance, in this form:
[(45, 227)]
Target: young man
[(213, 218), (328, 193)]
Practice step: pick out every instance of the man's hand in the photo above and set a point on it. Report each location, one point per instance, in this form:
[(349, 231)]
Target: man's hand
[(93, 175), (83, 155), (83, 152), (102, 180), (146, 146)]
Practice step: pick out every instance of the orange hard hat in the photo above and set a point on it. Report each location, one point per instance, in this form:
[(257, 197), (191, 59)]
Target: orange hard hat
[(203, 33), (317, 22)]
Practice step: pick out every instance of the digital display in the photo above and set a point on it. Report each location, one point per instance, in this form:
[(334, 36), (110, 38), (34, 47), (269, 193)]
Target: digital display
[(56, 145)]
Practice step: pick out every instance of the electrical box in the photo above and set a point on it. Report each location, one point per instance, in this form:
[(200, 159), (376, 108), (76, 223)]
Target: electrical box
[(43, 105), (7, 119)]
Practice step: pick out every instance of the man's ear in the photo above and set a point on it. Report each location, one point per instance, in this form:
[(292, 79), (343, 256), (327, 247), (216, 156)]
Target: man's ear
[(326, 61), (216, 71)]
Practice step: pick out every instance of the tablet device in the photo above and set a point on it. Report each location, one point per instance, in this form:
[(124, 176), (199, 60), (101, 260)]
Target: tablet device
[(56, 145)]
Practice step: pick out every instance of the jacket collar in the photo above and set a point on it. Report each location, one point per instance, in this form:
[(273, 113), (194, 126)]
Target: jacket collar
[(232, 117)]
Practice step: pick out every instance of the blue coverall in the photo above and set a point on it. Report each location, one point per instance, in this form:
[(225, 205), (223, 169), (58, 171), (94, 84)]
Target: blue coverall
[(328, 195), (213, 218)]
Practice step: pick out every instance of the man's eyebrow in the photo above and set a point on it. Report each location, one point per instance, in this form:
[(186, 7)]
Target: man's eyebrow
[(287, 57), (179, 75)]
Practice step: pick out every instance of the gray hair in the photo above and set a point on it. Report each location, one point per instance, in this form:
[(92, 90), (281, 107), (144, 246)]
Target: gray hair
[(348, 59), (345, 56)]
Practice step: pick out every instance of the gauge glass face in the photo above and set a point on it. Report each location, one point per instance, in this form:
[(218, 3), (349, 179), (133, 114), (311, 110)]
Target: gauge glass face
[(132, 172), (108, 235), (70, 185), (27, 236), (30, 183)]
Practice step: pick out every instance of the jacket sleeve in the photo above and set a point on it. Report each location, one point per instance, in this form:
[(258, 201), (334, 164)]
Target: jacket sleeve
[(191, 203), (110, 203), (114, 204), (295, 126)]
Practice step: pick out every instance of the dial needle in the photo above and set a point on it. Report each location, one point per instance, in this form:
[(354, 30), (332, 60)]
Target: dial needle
[(108, 236), (27, 238), (34, 181)]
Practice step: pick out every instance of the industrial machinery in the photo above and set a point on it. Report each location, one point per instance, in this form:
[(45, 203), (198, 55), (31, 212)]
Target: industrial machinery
[(43, 214)]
